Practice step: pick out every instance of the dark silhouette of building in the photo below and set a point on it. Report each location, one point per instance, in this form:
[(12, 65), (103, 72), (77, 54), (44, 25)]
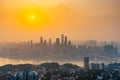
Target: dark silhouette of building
[(31, 42), (102, 66), (57, 41), (45, 42), (41, 40), (86, 63), (97, 66), (65, 40), (93, 66), (69, 43), (62, 39)]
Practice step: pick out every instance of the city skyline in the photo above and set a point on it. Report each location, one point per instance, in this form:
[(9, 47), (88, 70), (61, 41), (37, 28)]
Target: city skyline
[(59, 40), (62, 49)]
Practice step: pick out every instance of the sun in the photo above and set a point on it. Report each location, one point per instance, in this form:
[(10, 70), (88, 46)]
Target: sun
[(32, 18)]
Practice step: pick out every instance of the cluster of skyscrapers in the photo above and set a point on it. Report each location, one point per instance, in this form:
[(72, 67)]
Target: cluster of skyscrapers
[(63, 41), (61, 49)]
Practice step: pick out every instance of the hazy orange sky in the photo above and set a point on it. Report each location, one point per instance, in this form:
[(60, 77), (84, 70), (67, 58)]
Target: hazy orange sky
[(23, 20)]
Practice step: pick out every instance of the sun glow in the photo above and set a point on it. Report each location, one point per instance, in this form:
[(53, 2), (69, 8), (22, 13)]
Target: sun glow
[(32, 18)]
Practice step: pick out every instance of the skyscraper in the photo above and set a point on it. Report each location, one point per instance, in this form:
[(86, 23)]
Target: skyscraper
[(69, 43), (62, 39), (102, 66), (57, 41), (66, 40), (41, 40), (45, 42), (86, 63), (31, 42)]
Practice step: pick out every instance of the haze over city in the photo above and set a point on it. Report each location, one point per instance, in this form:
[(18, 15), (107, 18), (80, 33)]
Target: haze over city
[(59, 40), (80, 20)]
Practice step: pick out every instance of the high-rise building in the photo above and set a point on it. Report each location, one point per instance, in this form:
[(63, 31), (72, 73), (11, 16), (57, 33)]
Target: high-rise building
[(97, 66), (93, 66), (45, 42), (102, 66), (41, 40), (65, 40), (57, 41), (31, 42), (86, 63), (69, 43), (62, 39)]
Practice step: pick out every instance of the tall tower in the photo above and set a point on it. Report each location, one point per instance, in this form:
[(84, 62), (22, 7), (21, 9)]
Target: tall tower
[(45, 42), (41, 40), (31, 42), (62, 39), (57, 41), (86, 63), (66, 40), (69, 43)]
